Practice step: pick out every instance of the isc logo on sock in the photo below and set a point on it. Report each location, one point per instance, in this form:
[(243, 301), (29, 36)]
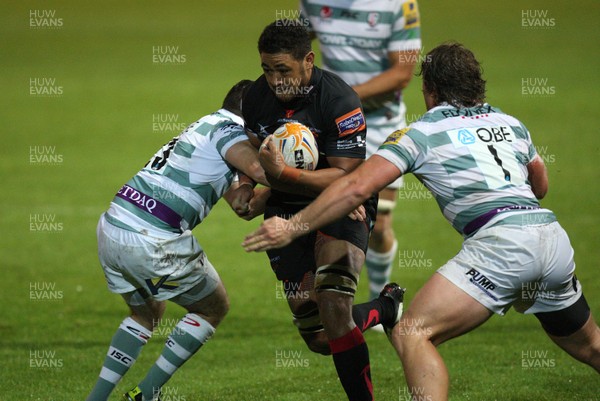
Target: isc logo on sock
[(120, 356)]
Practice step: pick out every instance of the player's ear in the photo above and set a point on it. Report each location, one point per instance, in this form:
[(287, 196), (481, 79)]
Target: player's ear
[(309, 59)]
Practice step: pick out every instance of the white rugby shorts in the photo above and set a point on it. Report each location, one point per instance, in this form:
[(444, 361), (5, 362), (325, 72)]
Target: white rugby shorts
[(528, 267), (174, 268)]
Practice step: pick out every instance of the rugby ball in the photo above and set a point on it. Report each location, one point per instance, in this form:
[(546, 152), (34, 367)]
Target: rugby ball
[(297, 144)]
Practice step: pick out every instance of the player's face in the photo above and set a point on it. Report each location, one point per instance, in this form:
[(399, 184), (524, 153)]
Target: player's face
[(287, 77)]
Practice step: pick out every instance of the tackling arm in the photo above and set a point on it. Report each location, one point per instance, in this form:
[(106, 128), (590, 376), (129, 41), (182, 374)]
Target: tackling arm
[(244, 157), (339, 199)]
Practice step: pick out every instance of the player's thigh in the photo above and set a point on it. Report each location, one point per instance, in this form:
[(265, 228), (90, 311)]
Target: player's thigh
[(439, 311), (343, 243)]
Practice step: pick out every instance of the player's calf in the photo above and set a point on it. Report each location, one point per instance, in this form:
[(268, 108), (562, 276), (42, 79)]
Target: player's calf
[(335, 286)]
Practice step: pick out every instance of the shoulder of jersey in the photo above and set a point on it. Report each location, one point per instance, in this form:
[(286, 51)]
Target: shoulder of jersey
[(330, 78)]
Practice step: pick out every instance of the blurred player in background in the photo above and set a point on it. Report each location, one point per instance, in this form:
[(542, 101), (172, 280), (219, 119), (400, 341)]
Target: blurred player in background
[(487, 177), (326, 264), (148, 252), (373, 46)]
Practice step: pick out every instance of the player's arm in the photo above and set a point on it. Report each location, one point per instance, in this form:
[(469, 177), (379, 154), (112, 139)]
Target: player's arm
[(244, 157), (538, 176), (396, 77), (336, 201), (298, 181)]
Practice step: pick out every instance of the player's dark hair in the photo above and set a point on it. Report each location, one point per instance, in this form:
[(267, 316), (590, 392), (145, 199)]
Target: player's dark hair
[(233, 99), (285, 36), (452, 74)]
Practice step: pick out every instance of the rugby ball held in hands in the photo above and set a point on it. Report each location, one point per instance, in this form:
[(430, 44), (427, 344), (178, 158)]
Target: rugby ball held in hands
[(297, 144)]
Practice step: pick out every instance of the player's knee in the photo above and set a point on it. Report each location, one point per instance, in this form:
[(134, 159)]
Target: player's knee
[(334, 278), (149, 317), (410, 332), (218, 310), (221, 309), (317, 343)]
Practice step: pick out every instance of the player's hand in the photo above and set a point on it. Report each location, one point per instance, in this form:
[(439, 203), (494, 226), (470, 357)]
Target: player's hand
[(240, 200), (270, 157), (359, 214), (257, 203), (274, 232)]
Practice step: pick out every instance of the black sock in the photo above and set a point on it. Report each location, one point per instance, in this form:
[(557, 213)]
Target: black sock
[(373, 312), (351, 358)]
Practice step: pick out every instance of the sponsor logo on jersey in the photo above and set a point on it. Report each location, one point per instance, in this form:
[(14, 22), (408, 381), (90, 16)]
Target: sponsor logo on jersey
[(351, 122), (465, 137), (354, 41), (395, 136), (356, 142), (411, 15), (326, 12), (373, 19), (475, 112), (349, 14), (487, 135)]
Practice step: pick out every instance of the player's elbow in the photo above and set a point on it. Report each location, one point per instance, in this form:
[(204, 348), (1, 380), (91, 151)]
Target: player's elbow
[(538, 177), (540, 190)]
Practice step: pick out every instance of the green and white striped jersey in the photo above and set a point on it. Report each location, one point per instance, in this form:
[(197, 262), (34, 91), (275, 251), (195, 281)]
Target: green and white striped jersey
[(474, 161), (356, 36), (181, 183)]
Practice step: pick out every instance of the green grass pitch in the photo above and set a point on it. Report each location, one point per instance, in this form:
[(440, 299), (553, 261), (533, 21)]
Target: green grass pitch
[(88, 94)]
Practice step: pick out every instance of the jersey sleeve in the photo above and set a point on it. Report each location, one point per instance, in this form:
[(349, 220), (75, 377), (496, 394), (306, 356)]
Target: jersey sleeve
[(226, 136), (403, 148), (346, 127), (406, 30), (524, 149)]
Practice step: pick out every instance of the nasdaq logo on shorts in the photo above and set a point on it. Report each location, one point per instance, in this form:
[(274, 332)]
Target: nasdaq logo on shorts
[(482, 282)]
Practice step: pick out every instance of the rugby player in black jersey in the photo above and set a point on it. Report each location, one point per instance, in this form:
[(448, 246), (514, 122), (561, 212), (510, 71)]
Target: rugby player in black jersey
[(320, 270)]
